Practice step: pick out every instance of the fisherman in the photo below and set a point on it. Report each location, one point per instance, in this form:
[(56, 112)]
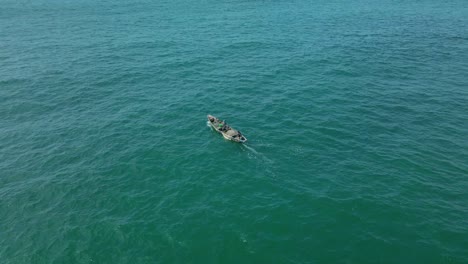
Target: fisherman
[(225, 128), (222, 126)]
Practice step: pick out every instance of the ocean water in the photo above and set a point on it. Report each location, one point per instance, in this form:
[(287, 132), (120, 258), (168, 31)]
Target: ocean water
[(356, 114)]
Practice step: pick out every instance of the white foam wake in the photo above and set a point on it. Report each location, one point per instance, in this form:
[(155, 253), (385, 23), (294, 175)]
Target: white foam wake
[(257, 154)]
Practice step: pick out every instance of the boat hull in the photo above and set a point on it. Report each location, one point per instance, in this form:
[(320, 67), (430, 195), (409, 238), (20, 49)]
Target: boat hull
[(214, 122)]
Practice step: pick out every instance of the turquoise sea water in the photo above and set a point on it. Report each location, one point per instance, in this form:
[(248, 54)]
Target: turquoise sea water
[(356, 114)]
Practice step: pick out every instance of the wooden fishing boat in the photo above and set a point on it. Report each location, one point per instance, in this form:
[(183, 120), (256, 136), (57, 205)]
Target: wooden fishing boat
[(228, 132)]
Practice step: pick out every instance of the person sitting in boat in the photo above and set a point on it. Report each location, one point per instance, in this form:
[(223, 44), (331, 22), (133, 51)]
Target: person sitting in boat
[(223, 126)]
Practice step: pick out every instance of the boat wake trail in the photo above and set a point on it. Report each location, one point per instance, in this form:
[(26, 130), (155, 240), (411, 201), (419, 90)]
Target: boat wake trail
[(257, 154), (264, 166), (251, 149)]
